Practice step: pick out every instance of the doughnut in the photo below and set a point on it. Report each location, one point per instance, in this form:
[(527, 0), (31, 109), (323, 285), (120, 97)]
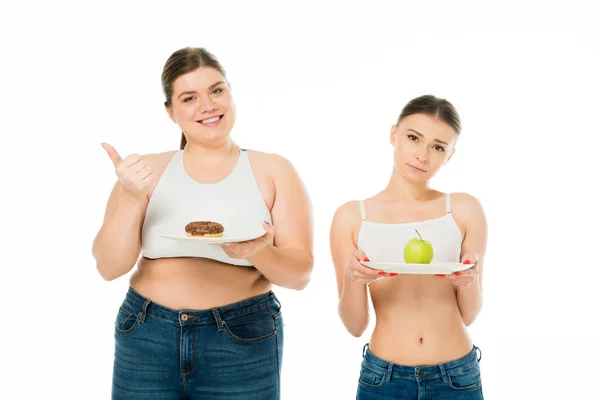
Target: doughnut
[(204, 229)]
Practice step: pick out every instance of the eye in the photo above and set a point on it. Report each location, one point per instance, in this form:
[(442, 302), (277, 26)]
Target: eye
[(413, 138), (217, 91), (188, 99), (439, 148)]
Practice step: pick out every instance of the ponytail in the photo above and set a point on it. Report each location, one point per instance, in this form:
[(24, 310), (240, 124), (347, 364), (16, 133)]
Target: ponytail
[(183, 141)]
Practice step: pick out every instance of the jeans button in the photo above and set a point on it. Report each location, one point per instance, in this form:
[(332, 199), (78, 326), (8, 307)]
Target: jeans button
[(184, 317)]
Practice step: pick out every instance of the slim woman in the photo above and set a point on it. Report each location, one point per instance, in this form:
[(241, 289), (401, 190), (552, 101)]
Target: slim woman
[(420, 346), (200, 320)]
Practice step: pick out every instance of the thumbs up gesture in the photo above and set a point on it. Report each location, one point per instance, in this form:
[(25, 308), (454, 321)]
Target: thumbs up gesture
[(135, 174)]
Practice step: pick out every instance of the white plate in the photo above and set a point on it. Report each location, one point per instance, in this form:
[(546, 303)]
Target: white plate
[(230, 235), (424, 269)]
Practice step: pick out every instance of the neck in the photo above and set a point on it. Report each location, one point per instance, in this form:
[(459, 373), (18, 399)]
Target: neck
[(400, 189), (213, 151)]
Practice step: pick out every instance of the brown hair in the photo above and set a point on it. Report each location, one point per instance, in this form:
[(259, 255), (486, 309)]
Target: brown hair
[(435, 107), (181, 62)]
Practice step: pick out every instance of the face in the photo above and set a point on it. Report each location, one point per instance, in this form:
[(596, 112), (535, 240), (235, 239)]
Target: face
[(202, 106), (422, 144)]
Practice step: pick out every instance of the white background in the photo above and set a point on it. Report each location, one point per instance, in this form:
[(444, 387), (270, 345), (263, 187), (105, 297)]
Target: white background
[(320, 85)]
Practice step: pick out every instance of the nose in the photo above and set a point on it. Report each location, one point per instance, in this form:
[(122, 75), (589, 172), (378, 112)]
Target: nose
[(422, 154), (207, 105)]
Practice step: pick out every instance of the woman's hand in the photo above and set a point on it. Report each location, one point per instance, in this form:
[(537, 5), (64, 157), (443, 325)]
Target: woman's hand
[(361, 274), (464, 278), (250, 247), (136, 176)]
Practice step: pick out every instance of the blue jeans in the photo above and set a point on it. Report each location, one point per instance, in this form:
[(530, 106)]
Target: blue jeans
[(229, 352), (458, 379)]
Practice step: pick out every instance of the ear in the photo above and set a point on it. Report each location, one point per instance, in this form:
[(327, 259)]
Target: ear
[(450, 156), (171, 114), (393, 135)]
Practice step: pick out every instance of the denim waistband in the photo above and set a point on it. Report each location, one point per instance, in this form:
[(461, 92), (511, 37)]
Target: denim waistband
[(146, 306), (435, 371)]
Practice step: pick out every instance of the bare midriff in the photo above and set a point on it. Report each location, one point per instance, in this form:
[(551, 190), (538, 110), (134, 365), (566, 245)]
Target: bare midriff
[(418, 321), (196, 283)]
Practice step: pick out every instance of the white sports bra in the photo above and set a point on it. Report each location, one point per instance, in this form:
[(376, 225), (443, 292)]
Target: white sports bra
[(178, 199), (382, 242)]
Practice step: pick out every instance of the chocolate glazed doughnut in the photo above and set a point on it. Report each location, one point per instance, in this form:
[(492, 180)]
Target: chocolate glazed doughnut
[(204, 229)]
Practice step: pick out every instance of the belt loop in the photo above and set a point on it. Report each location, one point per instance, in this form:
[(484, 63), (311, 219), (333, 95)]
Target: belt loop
[(220, 322), (142, 313), (388, 374), (443, 372), (478, 350), (365, 348), (276, 299)]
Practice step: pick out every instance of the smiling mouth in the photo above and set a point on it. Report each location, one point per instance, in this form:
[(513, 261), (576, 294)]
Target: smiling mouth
[(416, 168), (211, 120)]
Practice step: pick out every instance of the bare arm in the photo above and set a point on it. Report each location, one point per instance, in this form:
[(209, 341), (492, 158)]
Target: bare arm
[(289, 262), (470, 298), (118, 243), (353, 307)]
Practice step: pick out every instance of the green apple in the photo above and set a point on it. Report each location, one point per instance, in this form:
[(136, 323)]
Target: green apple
[(418, 251)]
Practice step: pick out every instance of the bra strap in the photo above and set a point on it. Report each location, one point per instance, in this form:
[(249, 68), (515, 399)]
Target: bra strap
[(448, 209), (362, 210)]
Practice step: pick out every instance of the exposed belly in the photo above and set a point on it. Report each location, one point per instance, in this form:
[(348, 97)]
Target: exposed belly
[(418, 321), (196, 283)]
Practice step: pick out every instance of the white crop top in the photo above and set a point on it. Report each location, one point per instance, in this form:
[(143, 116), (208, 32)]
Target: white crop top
[(382, 242), (178, 199)]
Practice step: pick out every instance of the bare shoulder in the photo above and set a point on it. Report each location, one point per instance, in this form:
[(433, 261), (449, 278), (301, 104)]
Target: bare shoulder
[(348, 211), (346, 218), (159, 161), (275, 169), (271, 162), (159, 158), (465, 203), (467, 210)]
